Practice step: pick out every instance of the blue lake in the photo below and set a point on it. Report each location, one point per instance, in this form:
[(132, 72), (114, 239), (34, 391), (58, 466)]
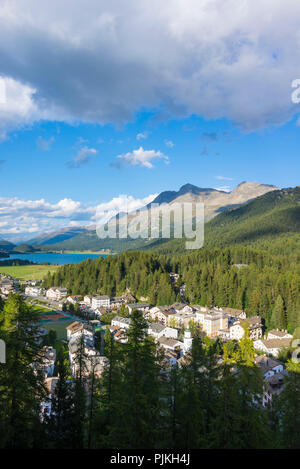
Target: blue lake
[(55, 258)]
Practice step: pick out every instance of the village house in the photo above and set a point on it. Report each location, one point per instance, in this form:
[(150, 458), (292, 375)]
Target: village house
[(77, 328), (87, 299), (100, 301), (181, 319), (89, 349), (99, 311), (56, 293), (120, 335), (144, 307), (8, 285), (157, 330), (171, 357), (48, 361), (74, 299), (117, 302), (123, 323), (50, 383), (273, 387), (268, 365), (170, 344), (211, 320), (181, 308), (33, 291), (277, 334), (272, 346), (237, 330), (160, 314)]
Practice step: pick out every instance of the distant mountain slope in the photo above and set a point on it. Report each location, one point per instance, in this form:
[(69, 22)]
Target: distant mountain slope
[(6, 245), (215, 201), (274, 216), (57, 236), (268, 216)]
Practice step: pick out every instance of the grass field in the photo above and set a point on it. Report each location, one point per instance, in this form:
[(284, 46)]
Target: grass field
[(59, 327), (27, 272)]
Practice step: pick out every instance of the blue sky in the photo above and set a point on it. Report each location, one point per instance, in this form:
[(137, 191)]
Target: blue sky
[(204, 153), (106, 100)]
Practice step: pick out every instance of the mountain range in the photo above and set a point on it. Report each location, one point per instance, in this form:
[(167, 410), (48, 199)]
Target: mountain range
[(250, 212)]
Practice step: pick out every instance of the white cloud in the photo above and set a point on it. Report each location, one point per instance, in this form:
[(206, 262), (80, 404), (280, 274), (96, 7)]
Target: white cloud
[(224, 178), (223, 188), (83, 156), (142, 136), (142, 157), (20, 219), (123, 203), (103, 61)]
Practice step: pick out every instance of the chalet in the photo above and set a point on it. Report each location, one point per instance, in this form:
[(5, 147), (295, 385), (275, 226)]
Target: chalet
[(170, 344), (273, 387), (56, 293), (181, 319), (88, 300), (33, 291), (237, 330), (144, 307), (123, 323), (277, 334), (157, 330), (74, 299), (160, 314), (268, 365), (50, 383), (181, 308), (77, 328), (100, 301), (272, 346)]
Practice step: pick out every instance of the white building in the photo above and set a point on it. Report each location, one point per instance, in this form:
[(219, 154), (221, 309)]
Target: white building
[(159, 330), (73, 299), (237, 330), (268, 365), (277, 334), (170, 344), (123, 323), (99, 301), (144, 307), (56, 293), (187, 341), (33, 291), (181, 308), (271, 346), (49, 360), (77, 328)]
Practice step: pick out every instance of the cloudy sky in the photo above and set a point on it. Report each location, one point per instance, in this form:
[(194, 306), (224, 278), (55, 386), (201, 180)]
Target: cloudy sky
[(109, 98)]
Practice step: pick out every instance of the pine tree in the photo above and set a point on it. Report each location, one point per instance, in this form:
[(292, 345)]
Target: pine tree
[(21, 382), (290, 407), (59, 425)]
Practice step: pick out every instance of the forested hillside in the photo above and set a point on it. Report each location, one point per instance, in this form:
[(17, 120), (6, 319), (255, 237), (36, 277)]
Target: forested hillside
[(273, 218), (268, 286), (138, 402)]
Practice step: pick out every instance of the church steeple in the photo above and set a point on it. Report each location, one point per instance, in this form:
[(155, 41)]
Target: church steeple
[(187, 340)]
